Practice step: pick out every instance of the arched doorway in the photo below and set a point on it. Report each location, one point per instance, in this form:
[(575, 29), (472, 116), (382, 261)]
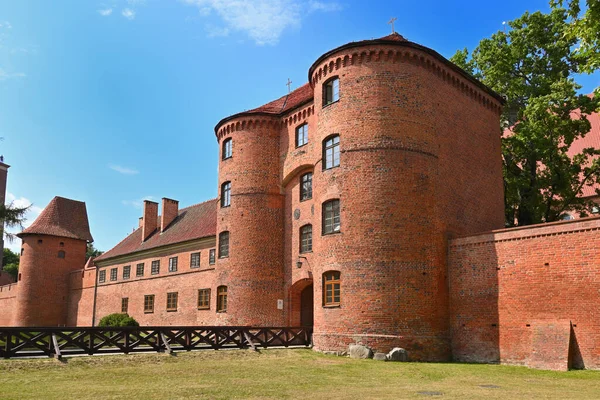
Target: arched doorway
[(307, 306)]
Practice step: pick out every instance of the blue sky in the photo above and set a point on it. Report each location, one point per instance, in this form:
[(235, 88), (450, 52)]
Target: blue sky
[(110, 102)]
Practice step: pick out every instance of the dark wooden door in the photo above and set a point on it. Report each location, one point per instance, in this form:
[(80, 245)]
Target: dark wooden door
[(306, 306)]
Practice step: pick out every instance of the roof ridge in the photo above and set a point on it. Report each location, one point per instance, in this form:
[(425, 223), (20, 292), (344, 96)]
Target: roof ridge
[(198, 204)]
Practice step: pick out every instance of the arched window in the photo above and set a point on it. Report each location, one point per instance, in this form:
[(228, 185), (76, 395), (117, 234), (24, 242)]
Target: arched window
[(306, 238), (331, 217), (226, 194), (302, 135), (226, 152), (331, 91), (224, 244), (306, 186), (61, 254), (331, 152), (331, 288), (222, 299)]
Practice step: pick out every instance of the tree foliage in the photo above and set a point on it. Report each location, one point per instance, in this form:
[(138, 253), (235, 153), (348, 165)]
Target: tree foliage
[(92, 251), (10, 262), (585, 28), (534, 65), (13, 217)]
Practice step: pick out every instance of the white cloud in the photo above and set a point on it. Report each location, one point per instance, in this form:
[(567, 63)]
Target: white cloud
[(5, 25), (136, 2), (105, 12), (215, 31), (30, 216), (325, 7), (123, 170), (137, 203), (8, 75), (263, 20), (128, 13)]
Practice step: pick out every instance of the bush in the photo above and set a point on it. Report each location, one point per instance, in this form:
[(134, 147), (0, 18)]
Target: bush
[(118, 320)]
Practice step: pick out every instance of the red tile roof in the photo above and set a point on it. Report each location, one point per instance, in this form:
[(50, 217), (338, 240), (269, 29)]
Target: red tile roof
[(286, 103), (394, 36), (193, 222), (64, 218)]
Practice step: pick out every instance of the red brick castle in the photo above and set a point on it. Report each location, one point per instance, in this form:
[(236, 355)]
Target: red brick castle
[(354, 204)]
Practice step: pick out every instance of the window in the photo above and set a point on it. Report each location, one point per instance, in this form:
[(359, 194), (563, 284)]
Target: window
[(331, 288), (211, 256), (301, 135), (62, 244), (139, 270), (331, 91), (172, 301), (331, 217), (226, 194), (40, 241), (102, 276), (203, 299), (226, 149), (61, 254), (113, 274), (124, 304), (306, 186), (149, 303), (224, 244), (195, 260), (155, 267), (222, 299), (306, 239), (173, 264), (127, 272), (331, 152)]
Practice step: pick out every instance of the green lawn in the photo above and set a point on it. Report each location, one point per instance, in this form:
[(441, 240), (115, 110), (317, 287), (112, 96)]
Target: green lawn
[(279, 374)]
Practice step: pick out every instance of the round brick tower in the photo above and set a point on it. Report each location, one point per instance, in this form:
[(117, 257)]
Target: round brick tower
[(401, 116), (53, 246), (253, 218)]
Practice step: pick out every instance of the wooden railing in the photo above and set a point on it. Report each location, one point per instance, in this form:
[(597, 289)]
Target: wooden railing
[(59, 342)]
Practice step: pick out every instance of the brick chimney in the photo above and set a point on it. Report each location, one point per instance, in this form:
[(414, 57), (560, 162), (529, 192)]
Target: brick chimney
[(150, 219), (141, 222), (170, 210)]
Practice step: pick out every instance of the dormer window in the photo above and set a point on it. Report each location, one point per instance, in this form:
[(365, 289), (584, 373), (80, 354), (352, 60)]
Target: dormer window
[(331, 91)]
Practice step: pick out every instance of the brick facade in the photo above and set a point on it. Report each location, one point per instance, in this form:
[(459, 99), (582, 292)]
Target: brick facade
[(419, 165)]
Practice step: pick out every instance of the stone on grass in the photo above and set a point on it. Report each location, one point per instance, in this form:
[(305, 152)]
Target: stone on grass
[(397, 354), (359, 351), (380, 357)]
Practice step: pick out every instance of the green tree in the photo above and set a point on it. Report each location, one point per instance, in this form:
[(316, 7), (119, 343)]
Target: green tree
[(92, 251), (13, 217), (10, 262), (534, 65), (118, 320), (585, 28)]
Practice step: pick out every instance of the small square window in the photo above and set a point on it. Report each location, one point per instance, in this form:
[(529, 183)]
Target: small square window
[(149, 303), (155, 268), (302, 135), (203, 299), (172, 301), (173, 264), (195, 260), (102, 276), (139, 269)]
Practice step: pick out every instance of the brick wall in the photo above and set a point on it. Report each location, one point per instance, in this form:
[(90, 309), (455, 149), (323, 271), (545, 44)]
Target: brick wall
[(528, 296), (8, 294)]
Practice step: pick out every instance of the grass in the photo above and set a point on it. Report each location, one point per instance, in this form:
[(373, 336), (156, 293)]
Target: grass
[(279, 374)]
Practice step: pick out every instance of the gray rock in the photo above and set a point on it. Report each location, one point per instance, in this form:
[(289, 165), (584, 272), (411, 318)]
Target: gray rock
[(359, 351), (380, 357), (397, 354)]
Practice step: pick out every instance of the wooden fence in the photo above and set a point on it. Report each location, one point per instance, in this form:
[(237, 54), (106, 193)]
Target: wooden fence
[(58, 342)]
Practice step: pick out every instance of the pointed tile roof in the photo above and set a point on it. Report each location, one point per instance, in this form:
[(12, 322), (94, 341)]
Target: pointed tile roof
[(64, 218), (194, 222)]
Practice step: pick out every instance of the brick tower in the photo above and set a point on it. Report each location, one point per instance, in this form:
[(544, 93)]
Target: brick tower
[(250, 219), (416, 135), (54, 245)]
